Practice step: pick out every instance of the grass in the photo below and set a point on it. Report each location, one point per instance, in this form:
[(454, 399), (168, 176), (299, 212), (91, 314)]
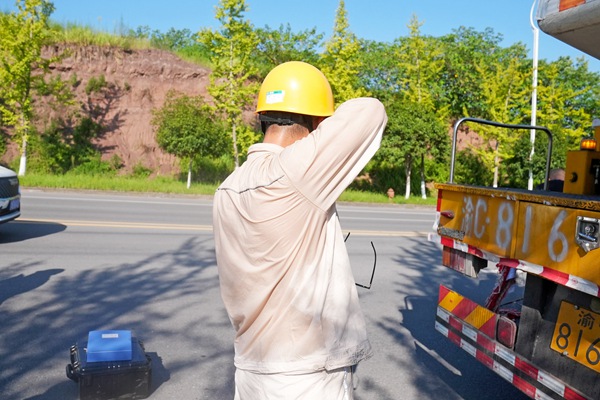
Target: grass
[(80, 35), (356, 196), (86, 36), (169, 185), (164, 185)]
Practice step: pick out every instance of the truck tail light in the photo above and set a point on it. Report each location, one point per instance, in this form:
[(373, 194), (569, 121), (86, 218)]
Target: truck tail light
[(588, 143), (506, 332)]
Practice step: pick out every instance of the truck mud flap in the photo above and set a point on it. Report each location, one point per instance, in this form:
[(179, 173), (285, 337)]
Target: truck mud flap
[(473, 328)]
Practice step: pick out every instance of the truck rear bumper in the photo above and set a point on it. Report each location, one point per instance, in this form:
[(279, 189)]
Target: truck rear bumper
[(474, 329)]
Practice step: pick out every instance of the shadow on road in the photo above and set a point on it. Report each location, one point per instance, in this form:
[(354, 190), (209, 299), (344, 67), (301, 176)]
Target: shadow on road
[(161, 298), (430, 351), (24, 283), (17, 231)]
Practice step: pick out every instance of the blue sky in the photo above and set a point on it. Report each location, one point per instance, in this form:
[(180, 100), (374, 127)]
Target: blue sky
[(382, 20)]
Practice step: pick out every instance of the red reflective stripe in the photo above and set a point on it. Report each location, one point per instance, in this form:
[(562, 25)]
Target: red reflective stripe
[(447, 242), (439, 201), (570, 281), (524, 386), (526, 368), (571, 395), (489, 328), (509, 262), (456, 323), (475, 251), (486, 343), (555, 276), (453, 337), (442, 293), (485, 359), (464, 308)]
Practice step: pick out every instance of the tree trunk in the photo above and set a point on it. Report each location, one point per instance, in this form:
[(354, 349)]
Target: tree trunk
[(23, 161), (496, 160), (408, 173), (423, 190), (235, 148), (189, 177)]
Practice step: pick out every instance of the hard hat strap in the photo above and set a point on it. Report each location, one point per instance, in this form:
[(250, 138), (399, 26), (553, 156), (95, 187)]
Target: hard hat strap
[(286, 119), (276, 121)]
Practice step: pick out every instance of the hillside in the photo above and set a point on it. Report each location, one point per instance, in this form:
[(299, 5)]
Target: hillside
[(137, 83)]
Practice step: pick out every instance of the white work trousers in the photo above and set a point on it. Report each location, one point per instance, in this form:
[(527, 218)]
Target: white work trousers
[(322, 385)]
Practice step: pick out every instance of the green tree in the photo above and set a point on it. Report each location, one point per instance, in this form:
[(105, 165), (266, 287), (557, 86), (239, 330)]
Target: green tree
[(62, 147), (340, 61), (568, 98), (186, 128), (564, 102), (231, 49), (22, 35), (463, 49), (278, 46), (421, 63), (420, 59), (470, 170), (411, 134), (173, 39), (505, 94), (380, 69)]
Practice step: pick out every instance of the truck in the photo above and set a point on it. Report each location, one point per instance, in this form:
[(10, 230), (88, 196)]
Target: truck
[(547, 344)]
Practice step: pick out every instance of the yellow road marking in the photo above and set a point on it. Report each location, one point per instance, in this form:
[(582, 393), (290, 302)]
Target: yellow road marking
[(120, 224), (202, 228)]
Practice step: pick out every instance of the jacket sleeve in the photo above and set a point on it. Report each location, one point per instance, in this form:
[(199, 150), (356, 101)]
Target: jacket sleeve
[(322, 165)]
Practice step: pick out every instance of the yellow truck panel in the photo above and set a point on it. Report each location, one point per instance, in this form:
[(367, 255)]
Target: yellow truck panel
[(520, 225), (475, 218)]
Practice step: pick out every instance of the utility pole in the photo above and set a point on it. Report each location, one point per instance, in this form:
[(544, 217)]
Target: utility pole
[(533, 94)]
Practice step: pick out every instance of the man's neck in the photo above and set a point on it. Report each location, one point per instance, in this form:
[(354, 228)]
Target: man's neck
[(280, 137)]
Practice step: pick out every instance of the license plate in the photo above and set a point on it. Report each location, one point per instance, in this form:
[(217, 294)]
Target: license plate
[(577, 335), (15, 204)]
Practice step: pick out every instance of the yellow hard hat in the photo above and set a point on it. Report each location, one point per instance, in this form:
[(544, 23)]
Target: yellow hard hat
[(296, 87)]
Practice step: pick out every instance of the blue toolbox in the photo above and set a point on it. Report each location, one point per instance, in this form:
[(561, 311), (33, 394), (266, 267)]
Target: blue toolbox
[(108, 346), (110, 379)]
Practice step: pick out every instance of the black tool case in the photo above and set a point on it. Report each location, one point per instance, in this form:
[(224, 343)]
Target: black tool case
[(106, 380)]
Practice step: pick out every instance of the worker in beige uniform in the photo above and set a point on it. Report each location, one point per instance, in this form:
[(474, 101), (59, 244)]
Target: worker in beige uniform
[(283, 266)]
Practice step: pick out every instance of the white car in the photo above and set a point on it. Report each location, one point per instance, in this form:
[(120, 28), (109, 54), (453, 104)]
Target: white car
[(10, 195)]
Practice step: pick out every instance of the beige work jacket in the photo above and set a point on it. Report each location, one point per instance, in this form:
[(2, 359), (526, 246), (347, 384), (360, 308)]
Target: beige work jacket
[(283, 267)]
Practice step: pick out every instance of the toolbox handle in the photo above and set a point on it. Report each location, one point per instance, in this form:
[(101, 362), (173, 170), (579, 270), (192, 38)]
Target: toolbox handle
[(70, 374)]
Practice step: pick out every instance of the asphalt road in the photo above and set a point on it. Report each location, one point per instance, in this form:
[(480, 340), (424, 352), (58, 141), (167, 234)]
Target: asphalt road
[(76, 262)]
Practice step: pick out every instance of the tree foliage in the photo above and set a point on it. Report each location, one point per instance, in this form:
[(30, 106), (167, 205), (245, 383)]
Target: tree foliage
[(230, 53), (61, 148), (340, 62), (22, 35), (186, 128), (412, 133), (380, 69), (420, 62), (463, 49), (276, 46), (568, 101), (504, 93)]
